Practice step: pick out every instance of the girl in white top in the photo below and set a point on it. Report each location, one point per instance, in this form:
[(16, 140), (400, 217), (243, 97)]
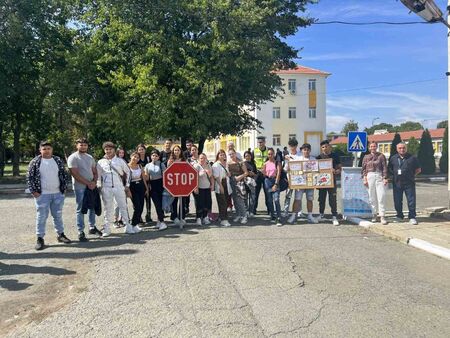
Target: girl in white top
[(222, 185), (138, 188), (202, 194)]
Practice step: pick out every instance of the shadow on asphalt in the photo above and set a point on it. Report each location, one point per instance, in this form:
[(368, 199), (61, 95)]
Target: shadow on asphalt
[(19, 269)]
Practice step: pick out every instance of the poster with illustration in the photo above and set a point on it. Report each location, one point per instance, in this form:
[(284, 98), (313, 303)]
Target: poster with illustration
[(312, 174), (311, 165)]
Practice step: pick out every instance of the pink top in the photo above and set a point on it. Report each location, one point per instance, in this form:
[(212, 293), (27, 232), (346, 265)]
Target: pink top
[(270, 169)]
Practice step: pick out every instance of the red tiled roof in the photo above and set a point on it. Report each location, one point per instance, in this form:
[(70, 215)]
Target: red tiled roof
[(405, 136), (302, 70)]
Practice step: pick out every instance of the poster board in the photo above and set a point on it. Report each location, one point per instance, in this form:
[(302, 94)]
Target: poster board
[(311, 174), (355, 198)]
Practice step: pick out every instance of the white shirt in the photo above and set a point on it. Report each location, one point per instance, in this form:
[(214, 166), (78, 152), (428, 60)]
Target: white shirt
[(292, 157), (109, 177), (49, 176), (219, 173)]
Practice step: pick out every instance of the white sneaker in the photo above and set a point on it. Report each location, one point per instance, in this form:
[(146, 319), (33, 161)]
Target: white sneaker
[(137, 229), (292, 219), (335, 221), (321, 218), (384, 221), (106, 231), (128, 229), (374, 219), (162, 226), (183, 221), (312, 220), (176, 221), (244, 220), (413, 221), (251, 215), (300, 214), (206, 221), (199, 222), (225, 223), (236, 219)]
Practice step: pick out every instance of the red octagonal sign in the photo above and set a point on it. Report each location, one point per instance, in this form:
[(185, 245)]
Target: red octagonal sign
[(180, 179)]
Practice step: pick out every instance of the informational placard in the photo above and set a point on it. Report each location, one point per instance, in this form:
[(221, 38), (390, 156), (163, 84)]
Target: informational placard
[(312, 174), (355, 198)]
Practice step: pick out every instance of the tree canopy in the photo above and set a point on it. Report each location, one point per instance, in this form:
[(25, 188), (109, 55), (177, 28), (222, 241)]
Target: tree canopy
[(350, 126), (133, 71)]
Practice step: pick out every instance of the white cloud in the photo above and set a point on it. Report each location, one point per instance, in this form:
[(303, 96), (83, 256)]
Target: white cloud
[(361, 9), (336, 122), (389, 106)]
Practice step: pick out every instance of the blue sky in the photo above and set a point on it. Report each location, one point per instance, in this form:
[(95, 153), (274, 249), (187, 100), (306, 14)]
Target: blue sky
[(368, 56)]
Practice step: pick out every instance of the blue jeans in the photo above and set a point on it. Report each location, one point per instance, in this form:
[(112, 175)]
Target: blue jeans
[(410, 192), (79, 194), (273, 197), (45, 203)]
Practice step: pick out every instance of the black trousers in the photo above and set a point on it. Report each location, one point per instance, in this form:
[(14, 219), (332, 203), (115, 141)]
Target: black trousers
[(175, 211), (260, 185), (203, 202), (156, 193), (332, 200), (138, 198)]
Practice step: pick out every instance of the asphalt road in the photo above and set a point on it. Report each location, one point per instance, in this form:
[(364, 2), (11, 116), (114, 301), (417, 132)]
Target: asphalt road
[(254, 281)]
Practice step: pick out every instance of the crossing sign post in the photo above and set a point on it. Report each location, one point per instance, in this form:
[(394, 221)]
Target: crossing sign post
[(356, 143)]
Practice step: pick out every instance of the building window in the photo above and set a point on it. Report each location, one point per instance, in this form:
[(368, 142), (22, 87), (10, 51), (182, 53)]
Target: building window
[(439, 147), (276, 140), (292, 112), (312, 84), (292, 136), (312, 113), (276, 112), (292, 86)]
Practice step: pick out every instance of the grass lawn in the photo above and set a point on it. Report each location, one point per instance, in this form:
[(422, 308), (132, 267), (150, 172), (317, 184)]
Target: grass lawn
[(8, 178)]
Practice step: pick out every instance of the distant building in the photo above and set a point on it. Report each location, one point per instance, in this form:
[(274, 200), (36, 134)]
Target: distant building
[(299, 112), (384, 140)]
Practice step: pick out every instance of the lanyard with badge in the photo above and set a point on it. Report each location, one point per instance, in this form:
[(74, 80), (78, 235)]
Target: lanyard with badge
[(400, 163)]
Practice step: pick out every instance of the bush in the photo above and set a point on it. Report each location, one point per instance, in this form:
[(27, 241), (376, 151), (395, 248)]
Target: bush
[(426, 154)]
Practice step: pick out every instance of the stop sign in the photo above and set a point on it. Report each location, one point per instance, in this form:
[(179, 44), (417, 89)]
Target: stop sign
[(180, 179)]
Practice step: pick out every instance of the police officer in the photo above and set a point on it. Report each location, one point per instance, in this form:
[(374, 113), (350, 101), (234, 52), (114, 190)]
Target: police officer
[(260, 156)]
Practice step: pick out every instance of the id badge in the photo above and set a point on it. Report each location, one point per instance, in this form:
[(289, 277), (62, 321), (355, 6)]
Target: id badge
[(399, 172)]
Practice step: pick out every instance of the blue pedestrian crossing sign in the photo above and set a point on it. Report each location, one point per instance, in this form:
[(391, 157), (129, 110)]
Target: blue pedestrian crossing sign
[(357, 141)]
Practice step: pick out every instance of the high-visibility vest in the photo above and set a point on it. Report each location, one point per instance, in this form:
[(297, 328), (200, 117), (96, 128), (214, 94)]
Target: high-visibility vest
[(260, 157)]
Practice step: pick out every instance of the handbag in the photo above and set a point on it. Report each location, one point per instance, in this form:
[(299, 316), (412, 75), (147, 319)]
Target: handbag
[(284, 183)]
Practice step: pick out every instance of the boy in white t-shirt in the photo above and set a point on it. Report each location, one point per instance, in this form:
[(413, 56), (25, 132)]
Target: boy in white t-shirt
[(305, 156)]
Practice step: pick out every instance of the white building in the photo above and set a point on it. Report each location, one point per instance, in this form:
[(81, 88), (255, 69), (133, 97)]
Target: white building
[(299, 112)]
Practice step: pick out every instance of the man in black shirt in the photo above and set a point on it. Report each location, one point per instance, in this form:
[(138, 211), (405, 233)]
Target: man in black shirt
[(165, 153), (403, 168), (325, 153)]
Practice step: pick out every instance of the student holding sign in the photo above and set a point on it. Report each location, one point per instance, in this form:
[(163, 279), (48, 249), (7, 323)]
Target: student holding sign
[(306, 156), (326, 153)]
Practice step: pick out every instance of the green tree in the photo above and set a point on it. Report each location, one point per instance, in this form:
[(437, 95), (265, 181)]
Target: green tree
[(33, 38), (443, 161), (349, 126), (189, 68), (409, 126), (442, 124), (389, 127), (426, 154), (397, 139), (413, 146)]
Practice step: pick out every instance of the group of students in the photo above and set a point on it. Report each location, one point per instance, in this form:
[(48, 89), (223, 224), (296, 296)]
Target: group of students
[(236, 181)]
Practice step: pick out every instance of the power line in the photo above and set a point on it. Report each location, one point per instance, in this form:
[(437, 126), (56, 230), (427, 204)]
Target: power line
[(371, 23)]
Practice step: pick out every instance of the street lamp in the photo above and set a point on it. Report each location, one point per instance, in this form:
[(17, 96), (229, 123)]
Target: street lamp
[(374, 119), (430, 12)]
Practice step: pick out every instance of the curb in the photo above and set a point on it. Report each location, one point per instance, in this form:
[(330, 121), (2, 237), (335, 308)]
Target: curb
[(414, 242)]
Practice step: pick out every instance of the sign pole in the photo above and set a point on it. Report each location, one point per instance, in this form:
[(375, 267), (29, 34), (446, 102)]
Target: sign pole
[(355, 160)]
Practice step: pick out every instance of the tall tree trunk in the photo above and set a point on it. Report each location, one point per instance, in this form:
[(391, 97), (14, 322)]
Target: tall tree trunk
[(183, 143), (2, 151), (201, 144), (16, 146)]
